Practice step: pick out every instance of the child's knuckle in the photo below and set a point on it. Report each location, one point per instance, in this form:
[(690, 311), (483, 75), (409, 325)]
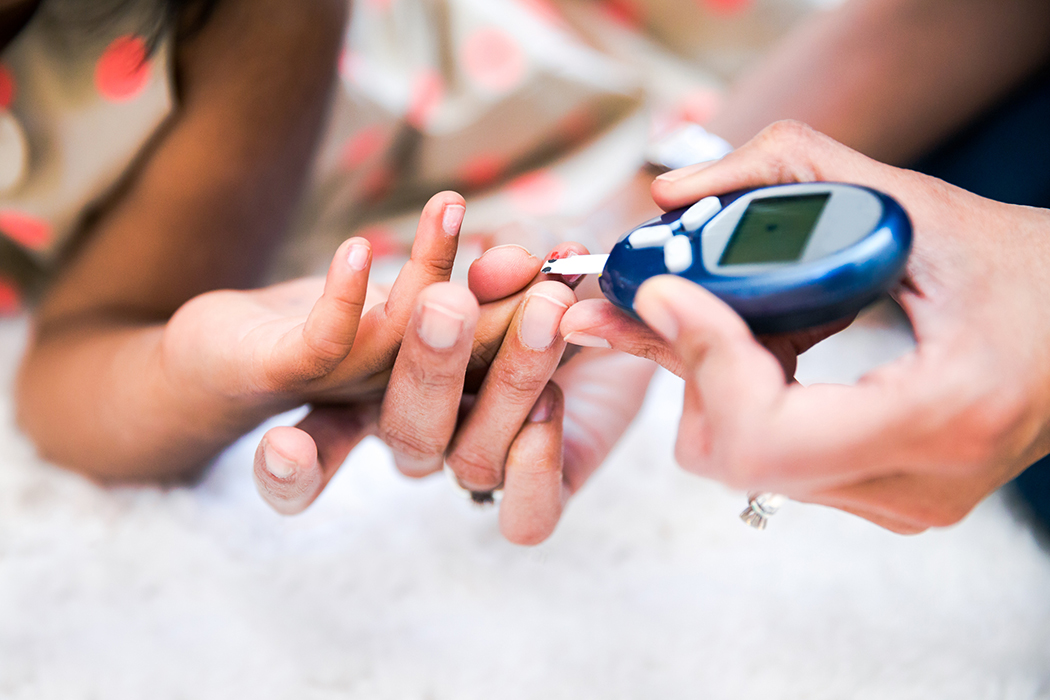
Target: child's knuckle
[(520, 383), (405, 438)]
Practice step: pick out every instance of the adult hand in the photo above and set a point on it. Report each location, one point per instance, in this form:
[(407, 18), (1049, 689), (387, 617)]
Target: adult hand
[(916, 443), (290, 343)]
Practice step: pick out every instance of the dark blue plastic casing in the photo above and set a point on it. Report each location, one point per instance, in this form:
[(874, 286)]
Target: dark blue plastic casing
[(788, 298)]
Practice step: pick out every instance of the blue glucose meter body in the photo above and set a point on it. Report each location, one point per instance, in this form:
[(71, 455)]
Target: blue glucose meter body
[(785, 257)]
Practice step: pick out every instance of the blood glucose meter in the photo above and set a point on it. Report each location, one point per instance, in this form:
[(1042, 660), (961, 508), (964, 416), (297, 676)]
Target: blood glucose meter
[(785, 257)]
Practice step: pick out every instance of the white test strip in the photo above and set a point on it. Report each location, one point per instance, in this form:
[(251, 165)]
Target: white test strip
[(576, 265)]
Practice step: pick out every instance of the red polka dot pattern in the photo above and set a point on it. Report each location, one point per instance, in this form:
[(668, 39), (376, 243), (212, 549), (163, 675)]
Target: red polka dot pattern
[(725, 7), (493, 60), (482, 170), (362, 147), (427, 92), (122, 71), (25, 230), (7, 87), (624, 12), (538, 193), (10, 299)]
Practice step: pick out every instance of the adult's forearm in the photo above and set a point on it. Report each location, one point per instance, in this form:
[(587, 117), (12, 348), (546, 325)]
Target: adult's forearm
[(892, 77), (98, 400)]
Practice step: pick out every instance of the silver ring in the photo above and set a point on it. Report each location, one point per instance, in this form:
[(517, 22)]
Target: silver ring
[(760, 506)]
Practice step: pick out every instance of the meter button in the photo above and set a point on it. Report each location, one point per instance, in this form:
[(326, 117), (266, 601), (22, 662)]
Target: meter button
[(678, 254), (700, 213), (650, 236)]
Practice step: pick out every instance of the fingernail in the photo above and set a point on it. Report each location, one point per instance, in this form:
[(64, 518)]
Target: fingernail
[(505, 246), (658, 313), (453, 219), (358, 256), (278, 466), (586, 340), (440, 328), (541, 412), (540, 321), (675, 175)]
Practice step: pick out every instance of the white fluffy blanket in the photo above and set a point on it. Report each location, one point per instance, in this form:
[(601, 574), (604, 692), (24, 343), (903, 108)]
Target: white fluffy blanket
[(388, 588)]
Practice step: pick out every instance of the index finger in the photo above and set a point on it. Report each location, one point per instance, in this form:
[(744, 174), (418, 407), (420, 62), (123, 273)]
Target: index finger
[(433, 253), (784, 152)]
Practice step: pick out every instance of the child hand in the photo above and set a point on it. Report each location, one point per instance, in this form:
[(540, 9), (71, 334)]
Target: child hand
[(536, 436), (450, 341), (290, 343)]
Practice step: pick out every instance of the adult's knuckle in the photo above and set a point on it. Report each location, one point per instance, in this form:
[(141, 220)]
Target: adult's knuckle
[(789, 146), (786, 136)]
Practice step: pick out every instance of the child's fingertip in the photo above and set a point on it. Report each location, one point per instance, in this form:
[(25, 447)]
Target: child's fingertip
[(277, 465), (452, 219)]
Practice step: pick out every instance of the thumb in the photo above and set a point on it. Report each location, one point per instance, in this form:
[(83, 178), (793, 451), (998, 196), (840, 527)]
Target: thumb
[(732, 381)]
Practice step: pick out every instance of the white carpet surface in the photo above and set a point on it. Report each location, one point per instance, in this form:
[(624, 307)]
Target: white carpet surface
[(388, 588)]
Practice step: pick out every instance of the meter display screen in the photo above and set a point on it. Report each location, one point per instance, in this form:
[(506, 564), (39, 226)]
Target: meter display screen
[(774, 229)]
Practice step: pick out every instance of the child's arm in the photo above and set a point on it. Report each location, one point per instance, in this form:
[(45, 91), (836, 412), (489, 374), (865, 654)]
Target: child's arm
[(101, 388)]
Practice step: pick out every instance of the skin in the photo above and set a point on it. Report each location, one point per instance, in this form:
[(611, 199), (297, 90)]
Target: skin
[(916, 443), (150, 353), (102, 330), (891, 78), (537, 426)]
